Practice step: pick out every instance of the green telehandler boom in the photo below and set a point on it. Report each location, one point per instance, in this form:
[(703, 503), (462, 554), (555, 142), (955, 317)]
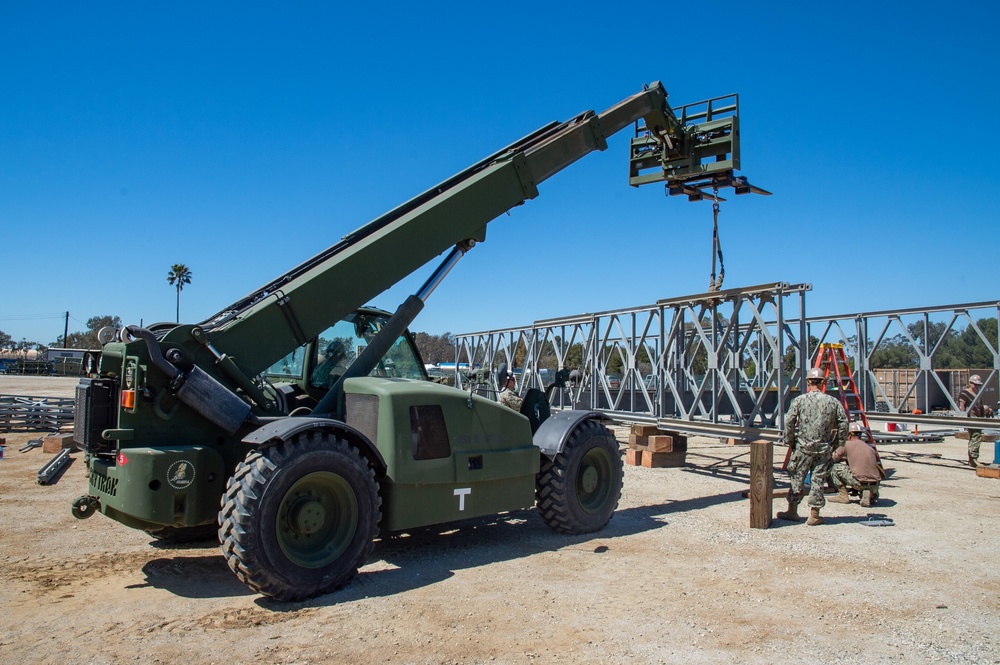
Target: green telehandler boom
[(298, 424)]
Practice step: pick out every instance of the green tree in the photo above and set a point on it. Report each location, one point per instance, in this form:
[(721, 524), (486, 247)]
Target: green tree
[(22, 348), (547, 356), (435, 348), (178, 276), (6, 341), (928, 336), (574, 357), (790, 359), (895, 353), (88, 339), (967, 349), (643, 361)]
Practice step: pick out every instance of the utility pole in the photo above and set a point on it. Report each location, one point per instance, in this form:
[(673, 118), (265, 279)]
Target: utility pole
[(66, 331)]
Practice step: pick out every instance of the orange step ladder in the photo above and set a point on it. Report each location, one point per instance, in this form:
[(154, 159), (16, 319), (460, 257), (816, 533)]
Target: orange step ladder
[(831, 360)]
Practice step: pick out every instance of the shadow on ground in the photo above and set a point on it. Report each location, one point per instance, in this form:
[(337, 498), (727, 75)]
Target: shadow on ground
[(420, 557)]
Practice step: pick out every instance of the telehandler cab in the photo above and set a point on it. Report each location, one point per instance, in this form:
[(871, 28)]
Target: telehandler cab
[(299, 424)]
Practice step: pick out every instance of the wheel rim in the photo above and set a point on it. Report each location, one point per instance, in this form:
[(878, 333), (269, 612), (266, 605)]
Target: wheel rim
[(317, 519), (593, 482)]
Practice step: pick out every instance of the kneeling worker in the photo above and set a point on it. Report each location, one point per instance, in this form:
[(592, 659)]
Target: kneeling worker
[(855, 466)]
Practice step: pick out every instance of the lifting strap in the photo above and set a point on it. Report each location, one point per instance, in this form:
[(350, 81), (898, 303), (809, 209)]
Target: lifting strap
[(713, 284)]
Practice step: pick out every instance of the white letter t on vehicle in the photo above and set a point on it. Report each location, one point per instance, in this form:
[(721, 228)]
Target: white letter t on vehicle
[(460, 493)]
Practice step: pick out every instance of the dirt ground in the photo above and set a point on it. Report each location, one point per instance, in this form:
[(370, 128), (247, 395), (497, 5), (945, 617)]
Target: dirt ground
[(677, 576)]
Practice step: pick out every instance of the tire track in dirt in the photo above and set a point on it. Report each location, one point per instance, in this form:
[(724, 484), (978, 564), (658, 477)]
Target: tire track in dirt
[(50, 574)]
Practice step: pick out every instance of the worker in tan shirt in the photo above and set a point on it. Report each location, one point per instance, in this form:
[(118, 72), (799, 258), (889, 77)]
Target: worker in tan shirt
[(856, 466)]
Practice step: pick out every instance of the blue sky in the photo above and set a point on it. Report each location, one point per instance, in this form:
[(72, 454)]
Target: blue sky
[(242, 138)]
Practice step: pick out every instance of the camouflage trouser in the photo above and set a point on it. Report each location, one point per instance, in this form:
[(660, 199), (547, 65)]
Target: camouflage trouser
[(975, 441), (798, 467), (841, 476)]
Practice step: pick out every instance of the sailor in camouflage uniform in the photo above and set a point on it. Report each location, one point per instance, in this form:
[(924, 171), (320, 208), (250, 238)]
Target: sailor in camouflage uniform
[(814, 425), (508, 395), (974, 409)]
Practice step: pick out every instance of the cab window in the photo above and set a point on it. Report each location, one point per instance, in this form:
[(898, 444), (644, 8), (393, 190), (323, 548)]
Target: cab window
[(288, 368), (340, 345)]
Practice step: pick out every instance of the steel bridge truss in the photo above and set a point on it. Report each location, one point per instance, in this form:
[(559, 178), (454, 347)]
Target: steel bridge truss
[(726, 363), (710, 363), (921, 333)]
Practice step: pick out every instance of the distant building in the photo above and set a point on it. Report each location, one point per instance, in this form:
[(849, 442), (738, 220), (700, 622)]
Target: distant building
[(67, 362), (57, 355)]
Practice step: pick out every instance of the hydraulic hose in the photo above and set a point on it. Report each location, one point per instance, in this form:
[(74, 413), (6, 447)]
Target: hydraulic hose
[(196, 388)]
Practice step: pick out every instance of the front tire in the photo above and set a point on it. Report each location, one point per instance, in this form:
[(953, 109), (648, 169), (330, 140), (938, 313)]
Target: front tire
[(300, 517), (578, 491)]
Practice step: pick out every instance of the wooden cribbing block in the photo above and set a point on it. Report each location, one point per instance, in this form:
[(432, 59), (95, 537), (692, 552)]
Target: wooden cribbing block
[(638, 440), (54, 443), (988, 471), (660, 443), (51, 444), (652, 460), (666, 443), (633, 457), (761, 483), (644, 430)]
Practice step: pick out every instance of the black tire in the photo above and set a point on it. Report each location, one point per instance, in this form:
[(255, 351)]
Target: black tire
[(578, 491), (299, 518), (185, 534)]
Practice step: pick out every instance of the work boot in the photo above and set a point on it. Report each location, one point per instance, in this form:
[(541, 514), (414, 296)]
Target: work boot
[(840, 497), (866, 498), (814, 517), (792, 514), (973, 463)]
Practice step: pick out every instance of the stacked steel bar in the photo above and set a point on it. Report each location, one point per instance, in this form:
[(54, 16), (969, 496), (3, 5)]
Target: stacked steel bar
[(29, 414)]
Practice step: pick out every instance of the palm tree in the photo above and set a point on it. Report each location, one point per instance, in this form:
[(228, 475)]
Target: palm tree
[(178, 276)]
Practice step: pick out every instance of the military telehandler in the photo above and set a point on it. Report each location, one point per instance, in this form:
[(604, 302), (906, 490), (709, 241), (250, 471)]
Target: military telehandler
[(299, 424)]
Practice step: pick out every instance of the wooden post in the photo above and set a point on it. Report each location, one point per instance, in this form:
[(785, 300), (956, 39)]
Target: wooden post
[(761, 483)]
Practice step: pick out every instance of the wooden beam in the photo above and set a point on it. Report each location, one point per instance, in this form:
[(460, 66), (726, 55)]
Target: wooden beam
[(761, 483)]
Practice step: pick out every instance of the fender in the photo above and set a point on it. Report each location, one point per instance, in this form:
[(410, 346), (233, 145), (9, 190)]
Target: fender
[(283, 429), (552, 434)]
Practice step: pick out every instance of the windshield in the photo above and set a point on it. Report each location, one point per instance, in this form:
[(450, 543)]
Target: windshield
[(339, 346)]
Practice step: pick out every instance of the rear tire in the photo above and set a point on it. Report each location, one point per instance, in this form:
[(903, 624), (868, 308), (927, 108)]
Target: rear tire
[(578, 491), (300, 517)]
